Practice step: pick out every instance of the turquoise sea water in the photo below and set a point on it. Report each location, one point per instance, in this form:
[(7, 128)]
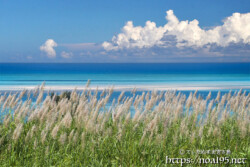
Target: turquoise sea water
[(216, 77), (174, 75)]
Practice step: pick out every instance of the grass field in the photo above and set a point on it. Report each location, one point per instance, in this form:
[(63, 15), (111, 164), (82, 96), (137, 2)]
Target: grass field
[(80, 129)]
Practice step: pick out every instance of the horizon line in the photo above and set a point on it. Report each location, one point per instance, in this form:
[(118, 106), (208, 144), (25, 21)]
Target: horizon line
[(119, 62)]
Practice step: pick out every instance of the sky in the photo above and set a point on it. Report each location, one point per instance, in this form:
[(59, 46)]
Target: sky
[(124, 31)]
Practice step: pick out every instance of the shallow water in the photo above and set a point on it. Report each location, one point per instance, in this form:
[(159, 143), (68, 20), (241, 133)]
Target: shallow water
[(173, 75)]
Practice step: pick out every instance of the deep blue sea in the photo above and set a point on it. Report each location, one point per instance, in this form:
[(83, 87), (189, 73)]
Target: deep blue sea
[(162, 75)]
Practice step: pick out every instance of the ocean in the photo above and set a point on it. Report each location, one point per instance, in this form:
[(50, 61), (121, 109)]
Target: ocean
[(179, 77), (159, 76)]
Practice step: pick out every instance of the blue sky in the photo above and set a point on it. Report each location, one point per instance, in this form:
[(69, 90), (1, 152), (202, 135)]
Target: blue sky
[(98, 31)]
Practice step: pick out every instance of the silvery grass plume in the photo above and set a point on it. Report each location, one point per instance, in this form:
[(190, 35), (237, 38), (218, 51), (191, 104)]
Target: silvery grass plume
[(63, 138), (17, 132)]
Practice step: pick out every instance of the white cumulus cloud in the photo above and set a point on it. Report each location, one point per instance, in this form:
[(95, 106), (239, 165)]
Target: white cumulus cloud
[(140, 37), (48, 48), (235, 29)]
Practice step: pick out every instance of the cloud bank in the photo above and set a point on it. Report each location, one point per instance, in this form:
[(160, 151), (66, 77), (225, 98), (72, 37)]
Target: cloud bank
[(235, 29), (176, 41), (48, 48)]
